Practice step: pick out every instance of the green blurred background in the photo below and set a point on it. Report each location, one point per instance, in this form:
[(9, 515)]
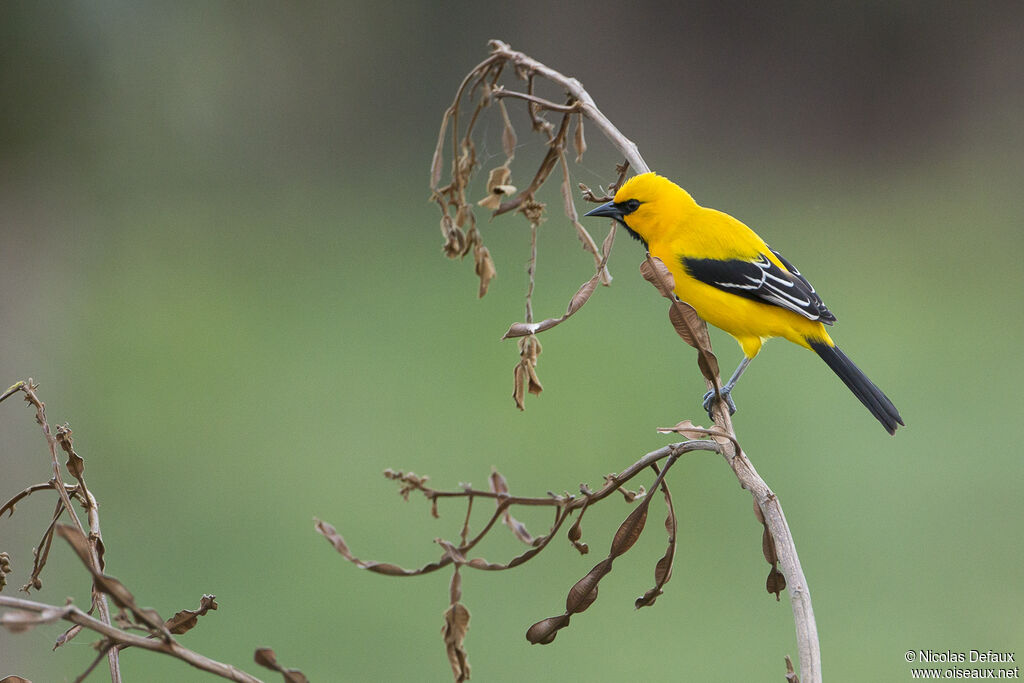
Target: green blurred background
[(218, 261)]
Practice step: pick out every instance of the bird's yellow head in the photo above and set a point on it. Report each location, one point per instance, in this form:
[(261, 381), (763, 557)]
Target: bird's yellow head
[(648, 206)]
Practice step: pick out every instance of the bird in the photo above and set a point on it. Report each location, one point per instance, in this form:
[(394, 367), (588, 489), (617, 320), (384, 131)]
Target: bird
[(735, 282)]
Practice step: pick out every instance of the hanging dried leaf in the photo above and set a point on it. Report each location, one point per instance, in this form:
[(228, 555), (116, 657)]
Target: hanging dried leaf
[(499, 186), (463, 215), (525, 373), (437, 161), (579, 143), (75, 464), (663, 569), (386, 568), (455, 240), (683, 320), (658, 274), (629, 531), (776, 582), (584, 592), (499, 485), (484, 268), (456, 625), (508, 133), (519, 386), (582, 295), (545, 630), (688, 325)]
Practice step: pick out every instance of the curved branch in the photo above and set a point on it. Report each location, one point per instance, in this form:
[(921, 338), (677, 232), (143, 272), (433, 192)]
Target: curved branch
[(767, 501), (626, 146)]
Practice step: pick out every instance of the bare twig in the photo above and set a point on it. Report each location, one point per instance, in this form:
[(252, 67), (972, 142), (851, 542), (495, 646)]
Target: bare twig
[(50, 613), (20, 614), (95, 545)]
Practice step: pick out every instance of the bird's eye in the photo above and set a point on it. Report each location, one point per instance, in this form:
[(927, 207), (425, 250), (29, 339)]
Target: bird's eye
[(631, 205)]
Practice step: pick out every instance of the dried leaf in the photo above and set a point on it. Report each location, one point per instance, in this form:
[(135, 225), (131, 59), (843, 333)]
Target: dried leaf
[(525, 373), (388, 569), (526, 329), (579, 143), (629, 531), (545, 630), (484, 268), (776, 581), (533, 384), (75, 464), (692, 431), (455, 240), (686, 428), (266, 658), (687, 324), (584, 592), (582, 295), (186, 619), (519, 386), (463, 215), (508, 133), (657, 273), (498, 186), (663, 569), (456, 624), (499, 485), (683, 320), (435, 163)]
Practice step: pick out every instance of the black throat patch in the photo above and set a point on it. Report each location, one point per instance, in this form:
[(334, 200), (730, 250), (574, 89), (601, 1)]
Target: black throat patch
[(634, 234)]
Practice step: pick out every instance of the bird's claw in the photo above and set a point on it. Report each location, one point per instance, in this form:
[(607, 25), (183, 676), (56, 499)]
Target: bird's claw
[(712, 396)]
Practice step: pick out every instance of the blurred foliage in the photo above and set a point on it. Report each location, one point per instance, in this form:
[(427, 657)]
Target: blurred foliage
[(218, 261)]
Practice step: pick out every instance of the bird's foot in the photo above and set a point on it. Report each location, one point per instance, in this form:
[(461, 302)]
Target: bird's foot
[(711, 397)]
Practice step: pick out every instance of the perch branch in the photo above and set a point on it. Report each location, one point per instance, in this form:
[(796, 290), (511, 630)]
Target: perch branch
[(771, 509)]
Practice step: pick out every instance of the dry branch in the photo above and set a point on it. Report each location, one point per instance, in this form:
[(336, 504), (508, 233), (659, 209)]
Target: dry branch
[(18, 614), (777, 540)]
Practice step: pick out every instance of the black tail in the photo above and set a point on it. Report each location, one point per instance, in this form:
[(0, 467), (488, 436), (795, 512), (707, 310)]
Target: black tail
[(862, 387)]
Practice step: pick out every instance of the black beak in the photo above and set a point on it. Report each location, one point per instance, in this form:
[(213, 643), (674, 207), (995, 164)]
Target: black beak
[(611, 209)]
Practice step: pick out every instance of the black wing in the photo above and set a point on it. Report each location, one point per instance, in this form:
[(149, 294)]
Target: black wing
[(762, 280)]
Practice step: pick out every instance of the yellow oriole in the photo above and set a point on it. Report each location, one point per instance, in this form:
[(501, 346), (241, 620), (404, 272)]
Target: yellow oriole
[(736, 282)]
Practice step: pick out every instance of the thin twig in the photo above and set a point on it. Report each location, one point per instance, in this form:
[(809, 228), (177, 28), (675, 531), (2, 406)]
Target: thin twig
[(50, 613), (99, 600)]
